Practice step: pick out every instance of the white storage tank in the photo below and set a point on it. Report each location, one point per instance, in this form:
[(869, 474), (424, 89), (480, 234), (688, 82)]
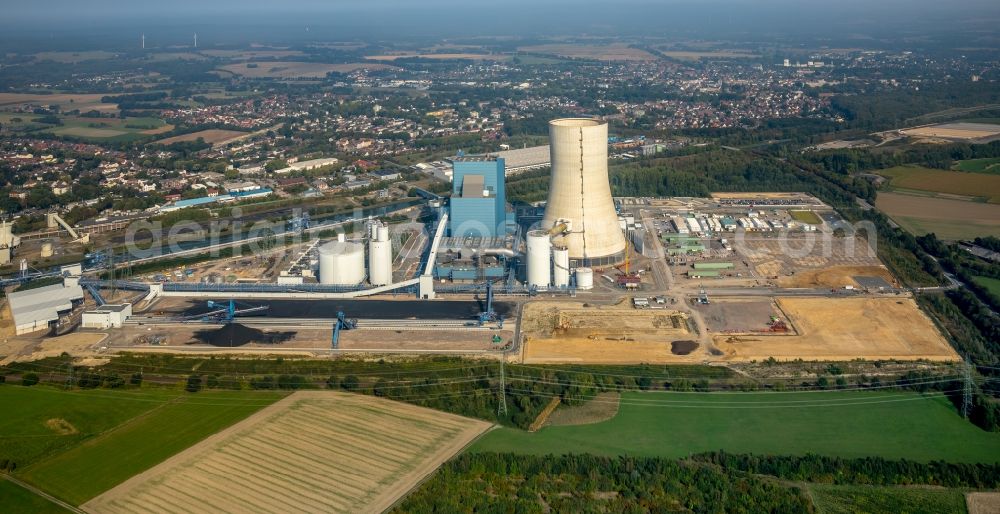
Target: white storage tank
[(539, 259), (380, 257), (584, 279), (560, 266), (341, 263)]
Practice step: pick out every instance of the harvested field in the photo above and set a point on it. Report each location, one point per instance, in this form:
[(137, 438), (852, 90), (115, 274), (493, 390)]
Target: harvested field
[(842, 329), (613, 52), (211, 136), (694, 56), (468, 56), (960, 131), (247, 55), (972, 185), (315, 451), (983, 503), (563, 332), (603, 407), (949, 219), (836, 277), (74, 57), (293, 69)]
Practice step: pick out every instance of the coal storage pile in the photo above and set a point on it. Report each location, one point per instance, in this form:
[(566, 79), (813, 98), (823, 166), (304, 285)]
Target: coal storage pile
[(235, 335)]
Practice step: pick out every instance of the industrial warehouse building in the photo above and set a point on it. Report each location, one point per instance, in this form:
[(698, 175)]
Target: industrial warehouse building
[(524, 159), (107, 316), (478, 200), (37, 309)]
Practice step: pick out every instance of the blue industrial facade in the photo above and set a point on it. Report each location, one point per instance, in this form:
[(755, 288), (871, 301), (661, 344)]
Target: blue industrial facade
[(478, 198)]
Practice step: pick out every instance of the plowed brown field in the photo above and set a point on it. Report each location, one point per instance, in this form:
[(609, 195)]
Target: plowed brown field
[(314, 451)]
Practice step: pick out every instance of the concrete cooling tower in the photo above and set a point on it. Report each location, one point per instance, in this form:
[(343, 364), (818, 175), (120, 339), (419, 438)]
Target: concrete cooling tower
[(580, 194)]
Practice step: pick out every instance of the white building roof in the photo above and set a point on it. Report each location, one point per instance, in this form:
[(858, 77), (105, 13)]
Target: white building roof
[(523, 159), (42, 304)]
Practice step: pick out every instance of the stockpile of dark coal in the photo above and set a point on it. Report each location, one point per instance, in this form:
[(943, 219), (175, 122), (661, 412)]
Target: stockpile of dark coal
[(683, 347), (235, 334)]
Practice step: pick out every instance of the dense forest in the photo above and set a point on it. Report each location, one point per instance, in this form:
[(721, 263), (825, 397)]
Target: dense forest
[(711, 482), (586, 483), (868, 470)]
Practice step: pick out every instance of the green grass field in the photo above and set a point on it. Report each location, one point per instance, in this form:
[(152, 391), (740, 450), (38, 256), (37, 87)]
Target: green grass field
[(992, 284), (106, 129), (27, 438), (18, 500), (846, 424), (989, 165), (809, 217), (120, 433), (851, 499)]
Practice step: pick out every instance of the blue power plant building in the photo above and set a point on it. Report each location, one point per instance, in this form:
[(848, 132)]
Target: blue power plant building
[(478, 199)]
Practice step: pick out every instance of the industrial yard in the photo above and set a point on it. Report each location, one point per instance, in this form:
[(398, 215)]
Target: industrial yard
[(606, 280)]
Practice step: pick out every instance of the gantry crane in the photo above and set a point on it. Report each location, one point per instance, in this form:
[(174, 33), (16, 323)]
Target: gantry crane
[(342, 323)]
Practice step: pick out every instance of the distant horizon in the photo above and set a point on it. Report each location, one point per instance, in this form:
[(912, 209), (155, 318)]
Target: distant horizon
[(298, 19)]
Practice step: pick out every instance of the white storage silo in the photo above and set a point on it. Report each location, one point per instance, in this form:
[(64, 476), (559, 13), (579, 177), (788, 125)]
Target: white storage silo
[(560, 266), (47, 249), (539, 259), (341, 263), (584, 279), (380, 257)]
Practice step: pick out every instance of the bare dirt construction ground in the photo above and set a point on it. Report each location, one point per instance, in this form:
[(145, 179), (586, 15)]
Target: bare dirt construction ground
[(568, 332), (613, 52), (603, 407), (31, 349), (983, 503), (314, 451), (738, 315), (843, 329), (292, 69), (211, 136), (763, 196), (836, 277), (948, 218), (777, 257)]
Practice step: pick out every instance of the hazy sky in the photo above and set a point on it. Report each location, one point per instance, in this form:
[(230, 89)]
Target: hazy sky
[(706, 18)]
